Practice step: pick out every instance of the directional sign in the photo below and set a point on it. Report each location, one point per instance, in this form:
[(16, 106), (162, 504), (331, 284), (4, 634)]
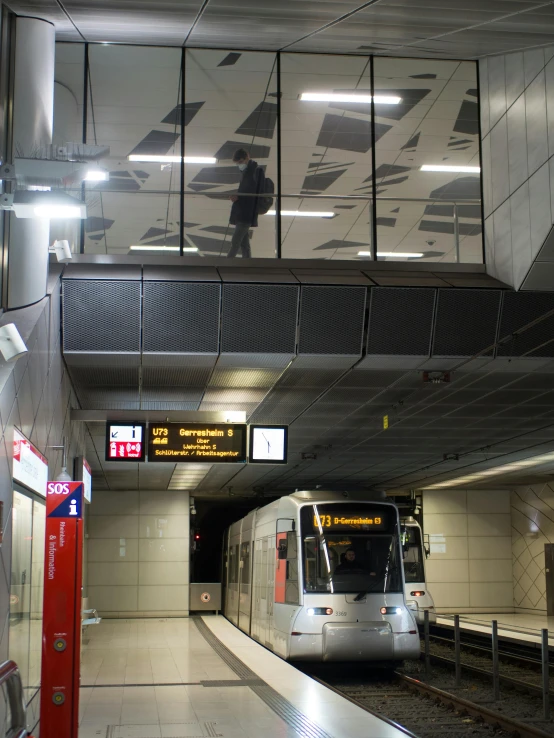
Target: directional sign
[(125, 441)]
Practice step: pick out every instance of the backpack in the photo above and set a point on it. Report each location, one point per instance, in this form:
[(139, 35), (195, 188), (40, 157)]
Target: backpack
[(265, 201)]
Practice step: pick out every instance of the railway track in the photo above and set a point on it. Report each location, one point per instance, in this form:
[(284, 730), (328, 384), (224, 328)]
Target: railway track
[(522, 672), (422, 709)]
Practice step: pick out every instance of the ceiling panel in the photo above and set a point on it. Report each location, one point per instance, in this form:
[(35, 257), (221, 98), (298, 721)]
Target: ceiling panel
[(392, 27)]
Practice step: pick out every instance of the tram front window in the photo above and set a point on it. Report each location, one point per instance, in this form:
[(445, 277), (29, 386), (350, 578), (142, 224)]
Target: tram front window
[(342, 556)]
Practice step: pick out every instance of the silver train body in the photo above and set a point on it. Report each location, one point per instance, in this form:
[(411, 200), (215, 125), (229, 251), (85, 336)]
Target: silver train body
[(288, 582), (418, 597)]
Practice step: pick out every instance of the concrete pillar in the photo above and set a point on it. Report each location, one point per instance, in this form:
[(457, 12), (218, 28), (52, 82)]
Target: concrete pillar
[(33, 114)]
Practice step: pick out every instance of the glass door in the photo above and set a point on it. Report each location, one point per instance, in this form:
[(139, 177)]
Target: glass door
[(20, 591)]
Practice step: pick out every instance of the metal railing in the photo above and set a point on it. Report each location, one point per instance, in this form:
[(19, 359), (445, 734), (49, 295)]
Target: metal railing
[(15, 720)]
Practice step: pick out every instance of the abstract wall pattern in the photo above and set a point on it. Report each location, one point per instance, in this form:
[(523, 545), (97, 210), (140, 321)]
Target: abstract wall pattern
[(326, 150), (532, 527)]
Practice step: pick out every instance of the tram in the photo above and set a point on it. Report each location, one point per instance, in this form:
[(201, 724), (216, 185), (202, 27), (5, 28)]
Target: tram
[(318, 576), (416, 591)]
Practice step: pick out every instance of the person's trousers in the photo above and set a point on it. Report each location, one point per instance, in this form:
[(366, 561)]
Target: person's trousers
[(240, 240)]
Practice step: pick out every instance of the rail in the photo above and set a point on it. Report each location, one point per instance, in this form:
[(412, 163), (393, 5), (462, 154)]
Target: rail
[(14, 705)]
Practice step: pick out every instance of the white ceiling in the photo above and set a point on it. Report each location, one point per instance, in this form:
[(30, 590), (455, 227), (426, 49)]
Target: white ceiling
[(460, 29)]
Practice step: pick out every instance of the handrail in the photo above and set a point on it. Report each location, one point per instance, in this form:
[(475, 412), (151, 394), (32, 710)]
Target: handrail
[(9, 675)]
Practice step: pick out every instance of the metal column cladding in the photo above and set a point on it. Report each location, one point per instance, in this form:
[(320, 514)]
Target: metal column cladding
[(332, 320)]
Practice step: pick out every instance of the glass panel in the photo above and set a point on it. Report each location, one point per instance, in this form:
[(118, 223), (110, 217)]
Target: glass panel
[(68, 125), (135, 109), (350, 548), (334, 228), (207, 227), (230, 103), (434, 123), (37, 591), (326, 151), (118, 221), (20, 591)]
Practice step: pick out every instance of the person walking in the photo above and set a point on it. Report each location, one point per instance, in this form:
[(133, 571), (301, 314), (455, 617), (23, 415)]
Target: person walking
[(244, 211)]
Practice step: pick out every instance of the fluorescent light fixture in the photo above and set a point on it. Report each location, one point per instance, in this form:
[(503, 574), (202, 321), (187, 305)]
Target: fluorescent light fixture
[(303, 213), (192, 249), (39, 188), (449, 168), (495, 471), (43, 204), (97, 175), (349, 97), (397, 254), (57, 211), (172, 159)]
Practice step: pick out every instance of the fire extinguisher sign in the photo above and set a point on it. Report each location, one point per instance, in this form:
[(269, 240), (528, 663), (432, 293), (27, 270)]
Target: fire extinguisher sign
[(61, 637)]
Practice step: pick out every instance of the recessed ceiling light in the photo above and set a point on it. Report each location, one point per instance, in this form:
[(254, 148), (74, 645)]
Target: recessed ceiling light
[(169, 159), (304, 213), (449, 168), (163, 248), (349, 97), (397, 254)]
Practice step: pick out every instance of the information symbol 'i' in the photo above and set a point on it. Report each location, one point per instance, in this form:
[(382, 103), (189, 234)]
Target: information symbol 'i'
[(73, 507)]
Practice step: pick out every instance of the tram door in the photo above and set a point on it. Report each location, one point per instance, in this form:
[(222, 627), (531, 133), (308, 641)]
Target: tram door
[(549, 575)]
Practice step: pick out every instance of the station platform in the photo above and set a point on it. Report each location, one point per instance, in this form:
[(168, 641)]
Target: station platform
[(203, 678), (515, 627)]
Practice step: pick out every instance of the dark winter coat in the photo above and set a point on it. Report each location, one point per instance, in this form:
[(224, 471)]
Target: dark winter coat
[(245, 209)]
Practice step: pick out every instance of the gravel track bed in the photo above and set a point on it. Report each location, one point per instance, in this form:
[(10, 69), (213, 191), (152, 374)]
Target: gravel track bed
[(514, 704), (530, 674)]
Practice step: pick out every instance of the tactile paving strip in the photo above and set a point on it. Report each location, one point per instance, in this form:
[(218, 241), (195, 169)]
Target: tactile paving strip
[(279, 704)]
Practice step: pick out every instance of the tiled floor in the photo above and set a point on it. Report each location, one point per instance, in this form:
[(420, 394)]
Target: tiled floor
[(123, 659), (511, 626)]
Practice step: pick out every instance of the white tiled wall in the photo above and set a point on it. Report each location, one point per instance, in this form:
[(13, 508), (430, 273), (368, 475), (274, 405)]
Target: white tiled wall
[(517, 128), (470, 566), (138, 553), (532, 527)]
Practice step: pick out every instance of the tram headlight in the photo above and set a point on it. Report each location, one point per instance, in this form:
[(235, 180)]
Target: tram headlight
[(417, 593), (319, 611), (391, 611)]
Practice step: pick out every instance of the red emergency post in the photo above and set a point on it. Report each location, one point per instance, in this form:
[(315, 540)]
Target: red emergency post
[(61, 630)]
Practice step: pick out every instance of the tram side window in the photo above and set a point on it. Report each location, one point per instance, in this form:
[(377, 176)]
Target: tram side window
[(291, 589), (245, 562), (233, 564)]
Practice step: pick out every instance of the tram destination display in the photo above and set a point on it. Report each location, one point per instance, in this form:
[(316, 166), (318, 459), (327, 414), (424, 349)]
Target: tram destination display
[(339, 518), (197, 443)]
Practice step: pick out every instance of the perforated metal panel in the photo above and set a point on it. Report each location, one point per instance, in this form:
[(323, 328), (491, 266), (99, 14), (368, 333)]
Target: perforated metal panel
[(466, 321), (101, 315), (400, 321), (259, 318), (175, 376), (181, 317), (519, 309), (331, 320), (105, 376)]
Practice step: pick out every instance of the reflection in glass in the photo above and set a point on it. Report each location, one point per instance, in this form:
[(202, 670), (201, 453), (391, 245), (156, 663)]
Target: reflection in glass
[(434, 125), (20, 590), (318, 236), (229, 106), (37, 591)]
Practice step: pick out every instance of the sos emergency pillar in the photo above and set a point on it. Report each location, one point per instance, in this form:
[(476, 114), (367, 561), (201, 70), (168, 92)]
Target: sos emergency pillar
[(61, 631)]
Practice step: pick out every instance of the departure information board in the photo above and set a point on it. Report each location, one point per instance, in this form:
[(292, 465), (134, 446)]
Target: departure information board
[(197, 442)]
